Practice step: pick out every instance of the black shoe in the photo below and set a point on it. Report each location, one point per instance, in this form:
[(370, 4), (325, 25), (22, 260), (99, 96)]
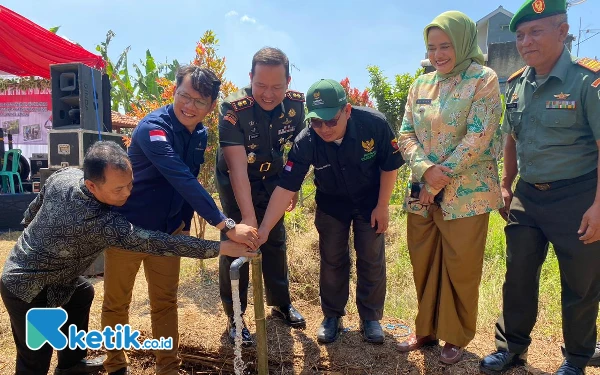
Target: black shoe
[(247, 339), (372, 331), (121, 371), (85, 366), (290, 315), (500, 361), (568, 368), (595, 360), (329, 331)]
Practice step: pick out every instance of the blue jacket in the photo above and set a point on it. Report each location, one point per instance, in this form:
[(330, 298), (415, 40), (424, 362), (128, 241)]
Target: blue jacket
[(166, 159)]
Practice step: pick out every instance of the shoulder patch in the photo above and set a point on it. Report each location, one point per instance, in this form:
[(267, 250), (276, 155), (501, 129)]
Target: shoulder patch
[(231, 117), (596, 83), (242, 103), (295, 95), (516, 74), (589, 64)]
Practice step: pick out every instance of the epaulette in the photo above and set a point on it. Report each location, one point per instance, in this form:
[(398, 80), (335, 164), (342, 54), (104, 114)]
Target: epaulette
[(516, 74), (242, 103), (295, 95), (590, 64)]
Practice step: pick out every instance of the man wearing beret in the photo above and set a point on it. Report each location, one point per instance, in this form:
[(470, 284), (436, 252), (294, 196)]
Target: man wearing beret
[(553, 117)]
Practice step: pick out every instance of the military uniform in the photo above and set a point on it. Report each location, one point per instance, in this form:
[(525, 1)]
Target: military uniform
[(264, 135), (555, 121)]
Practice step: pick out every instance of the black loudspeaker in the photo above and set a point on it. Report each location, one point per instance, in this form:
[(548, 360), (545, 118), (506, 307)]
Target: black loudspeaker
[(74, 105), (67, 148), (37, 162), (106, 103)]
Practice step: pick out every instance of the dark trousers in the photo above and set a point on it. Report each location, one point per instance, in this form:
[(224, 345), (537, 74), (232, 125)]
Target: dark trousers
[(274, 257), (36, 362), (334, 282), (537, 218)]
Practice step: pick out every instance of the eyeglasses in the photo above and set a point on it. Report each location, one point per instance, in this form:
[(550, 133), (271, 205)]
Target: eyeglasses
[(316, 124), (199, 104)]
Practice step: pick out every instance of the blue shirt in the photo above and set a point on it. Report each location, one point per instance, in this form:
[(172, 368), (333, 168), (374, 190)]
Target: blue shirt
[(166, 159)]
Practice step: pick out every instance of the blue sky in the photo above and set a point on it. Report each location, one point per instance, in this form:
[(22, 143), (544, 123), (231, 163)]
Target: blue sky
[(323, 39)]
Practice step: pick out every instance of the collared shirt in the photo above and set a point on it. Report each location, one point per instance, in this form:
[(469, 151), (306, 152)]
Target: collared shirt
[(263, 134), (455, 122), (67, 228), (346, 175), (166, 159), (556, 124)]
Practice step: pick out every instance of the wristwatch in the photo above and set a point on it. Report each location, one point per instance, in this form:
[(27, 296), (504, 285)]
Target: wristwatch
[(229, 225)]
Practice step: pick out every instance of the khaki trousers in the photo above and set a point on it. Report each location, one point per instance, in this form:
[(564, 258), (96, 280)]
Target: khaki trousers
[(162, 275), (447, 260)]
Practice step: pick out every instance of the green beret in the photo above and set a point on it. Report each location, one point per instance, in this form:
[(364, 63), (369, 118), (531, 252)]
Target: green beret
[(536, 9)]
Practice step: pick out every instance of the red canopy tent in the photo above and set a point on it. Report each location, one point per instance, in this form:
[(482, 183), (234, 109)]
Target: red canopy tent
[(27, 49)]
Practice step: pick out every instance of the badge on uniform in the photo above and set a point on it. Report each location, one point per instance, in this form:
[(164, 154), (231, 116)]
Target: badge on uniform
[(281, 115), (562, 96), (368, 145), (251, 158), (288, 166), (514, 97), (511, 105), (395, 145), (560, 104), (287, 121), (231, 117), (291, 112), (252, 146), (596, 83)]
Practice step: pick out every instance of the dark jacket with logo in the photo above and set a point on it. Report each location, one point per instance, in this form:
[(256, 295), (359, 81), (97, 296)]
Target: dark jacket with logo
[(347, 176), (166, 160)]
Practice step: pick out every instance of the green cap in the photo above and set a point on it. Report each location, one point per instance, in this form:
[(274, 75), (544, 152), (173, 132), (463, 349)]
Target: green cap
[(536, 9), (324, 99)]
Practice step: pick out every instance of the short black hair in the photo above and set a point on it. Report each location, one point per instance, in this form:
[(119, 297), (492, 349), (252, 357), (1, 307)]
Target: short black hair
[(273, 57), (204, 80), (101, 155)]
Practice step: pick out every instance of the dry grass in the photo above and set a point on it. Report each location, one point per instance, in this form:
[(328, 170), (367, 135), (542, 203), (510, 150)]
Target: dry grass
[(205, 349)]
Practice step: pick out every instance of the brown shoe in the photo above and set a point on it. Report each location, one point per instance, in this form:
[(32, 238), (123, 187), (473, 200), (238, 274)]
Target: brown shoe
[(415, 342), (451, 354)]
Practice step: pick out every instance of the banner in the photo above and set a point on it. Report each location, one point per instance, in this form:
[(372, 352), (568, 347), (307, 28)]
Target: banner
[(27, 116)]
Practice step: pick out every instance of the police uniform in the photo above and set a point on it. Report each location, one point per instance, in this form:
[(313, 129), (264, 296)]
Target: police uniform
[(264, 135), (555, 122), (347, 177)]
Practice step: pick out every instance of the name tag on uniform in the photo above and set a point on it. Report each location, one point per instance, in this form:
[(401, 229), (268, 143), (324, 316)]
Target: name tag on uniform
[(253, 136), (560, 104), (511, 105), (423, 101)]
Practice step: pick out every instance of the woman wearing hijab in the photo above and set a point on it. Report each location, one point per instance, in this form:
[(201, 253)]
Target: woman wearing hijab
[(449, 138)]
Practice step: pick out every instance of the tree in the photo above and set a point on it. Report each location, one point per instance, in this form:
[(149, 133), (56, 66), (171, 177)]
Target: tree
[(391, 99), (355, 96)]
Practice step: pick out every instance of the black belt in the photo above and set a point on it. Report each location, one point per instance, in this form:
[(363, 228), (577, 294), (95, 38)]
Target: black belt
[(562, 183)]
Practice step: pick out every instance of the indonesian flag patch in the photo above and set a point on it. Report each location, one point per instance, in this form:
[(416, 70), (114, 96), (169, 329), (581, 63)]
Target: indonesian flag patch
[(288, 166), (158, 135)]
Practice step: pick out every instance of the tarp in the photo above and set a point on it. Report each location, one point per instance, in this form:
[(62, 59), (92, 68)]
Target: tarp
[(27, 49)]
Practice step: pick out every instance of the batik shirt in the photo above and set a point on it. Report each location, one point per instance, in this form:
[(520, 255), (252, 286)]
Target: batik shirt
[(67, 228), (455, 122)]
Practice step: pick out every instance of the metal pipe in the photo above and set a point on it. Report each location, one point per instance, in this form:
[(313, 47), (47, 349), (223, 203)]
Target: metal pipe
[(259, 316)]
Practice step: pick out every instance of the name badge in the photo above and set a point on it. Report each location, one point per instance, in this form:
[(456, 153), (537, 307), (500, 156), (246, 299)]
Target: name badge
[(423, 101), (511, 105)]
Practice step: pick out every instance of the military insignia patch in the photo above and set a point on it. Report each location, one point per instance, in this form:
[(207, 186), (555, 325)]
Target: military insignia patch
[(590, 64), (560, 104), (253, 146), (295, 95), (562, 96), (281, 115), (287, 121), (596, 83), (243, 103), (368, 145), (291, 112), (538, 6), (515, 97), (516, 74), (395, 145), (231, 117), (251, 158)]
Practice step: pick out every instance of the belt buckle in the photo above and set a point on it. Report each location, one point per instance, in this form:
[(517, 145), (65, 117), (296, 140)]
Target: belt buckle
[(266, 166), (542, 187)]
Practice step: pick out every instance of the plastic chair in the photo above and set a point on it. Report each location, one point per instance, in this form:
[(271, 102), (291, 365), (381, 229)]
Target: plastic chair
[(8, 173)]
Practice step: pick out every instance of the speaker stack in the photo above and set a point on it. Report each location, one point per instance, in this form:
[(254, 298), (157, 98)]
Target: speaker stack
[(81, 114)]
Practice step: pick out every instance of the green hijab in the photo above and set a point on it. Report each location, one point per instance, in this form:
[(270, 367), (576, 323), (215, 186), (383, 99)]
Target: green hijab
[(462, 32)]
